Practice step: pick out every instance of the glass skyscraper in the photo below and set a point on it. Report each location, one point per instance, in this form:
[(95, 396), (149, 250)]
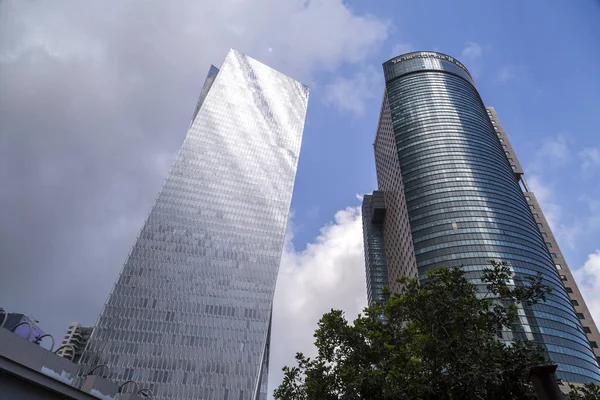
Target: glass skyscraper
[(454, 195), (190, 314)]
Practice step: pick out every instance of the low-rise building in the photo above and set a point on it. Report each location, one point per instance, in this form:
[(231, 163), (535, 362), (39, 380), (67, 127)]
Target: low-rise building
[(75, 341)]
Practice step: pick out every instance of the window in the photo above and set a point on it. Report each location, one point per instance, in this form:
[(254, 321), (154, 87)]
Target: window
[(502, 140), (511, 160), (553, 255), (569, 290), (594, 345), (549, 245), (563, 277), (507, 153), (527, 198), (580, 315), (540, 226), (536, 215), (513, 166), (575, 302), (586, 329), (531, 206), (558, 266), (504, 146), (544, 234)]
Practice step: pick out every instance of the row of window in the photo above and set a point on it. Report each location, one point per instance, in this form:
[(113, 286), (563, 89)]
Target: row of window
[(434, 202), (457, 175), (589, 369), (461, 182), (416, 117), (419, 65), (475, 183), (451, 211), (448, 90), (466, 149), (493, 175), (499, 253), (450, 160), (505, 224), (413, 131)]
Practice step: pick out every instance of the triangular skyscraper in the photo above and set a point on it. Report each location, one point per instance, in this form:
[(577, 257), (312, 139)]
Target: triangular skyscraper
[(189, 316)]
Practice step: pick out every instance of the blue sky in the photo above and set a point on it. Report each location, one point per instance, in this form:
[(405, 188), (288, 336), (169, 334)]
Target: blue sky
[(96, 98), (536, 62)]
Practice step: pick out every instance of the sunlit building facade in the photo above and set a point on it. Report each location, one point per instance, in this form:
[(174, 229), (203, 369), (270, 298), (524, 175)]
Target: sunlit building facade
[(190, 314)]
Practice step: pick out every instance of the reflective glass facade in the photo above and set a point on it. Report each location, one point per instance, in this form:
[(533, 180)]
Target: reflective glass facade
[(464, 202), (189, 316), (397, 239), (373, 213), (583, 313)]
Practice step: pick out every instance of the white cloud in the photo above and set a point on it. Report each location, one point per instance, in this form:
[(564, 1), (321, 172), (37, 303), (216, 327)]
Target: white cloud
[(471, 52), (509, 73), (471, 56), (328, 273), (401, 48), (351, 94), (506, 73), (295, 35), (544, 192), (588, 280), (590, 224), (553, 153), (569, 227), (99, 95), (590, 158)]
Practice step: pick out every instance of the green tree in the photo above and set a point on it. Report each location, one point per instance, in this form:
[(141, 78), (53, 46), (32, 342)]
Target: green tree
[(585, 392), (438, 339)]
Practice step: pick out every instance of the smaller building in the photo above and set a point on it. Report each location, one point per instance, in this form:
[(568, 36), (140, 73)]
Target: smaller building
[(22, 325), (373, 215), (29, 371), (75, 341)]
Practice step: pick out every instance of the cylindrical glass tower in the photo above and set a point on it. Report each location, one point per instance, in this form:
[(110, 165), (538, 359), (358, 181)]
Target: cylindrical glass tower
[(464, 202)]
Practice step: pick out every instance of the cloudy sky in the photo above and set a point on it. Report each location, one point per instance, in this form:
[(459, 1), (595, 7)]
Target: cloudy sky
[(96, 97)]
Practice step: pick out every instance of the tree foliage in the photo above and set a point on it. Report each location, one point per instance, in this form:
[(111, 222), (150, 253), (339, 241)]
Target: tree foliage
[(437, 339), (585, 392)]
